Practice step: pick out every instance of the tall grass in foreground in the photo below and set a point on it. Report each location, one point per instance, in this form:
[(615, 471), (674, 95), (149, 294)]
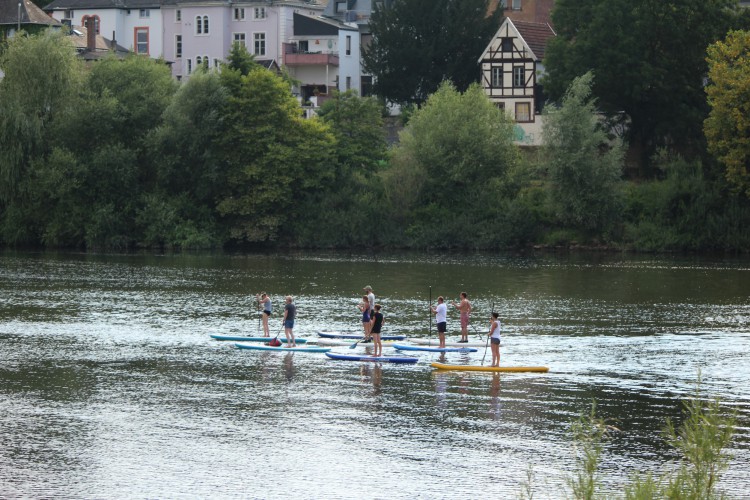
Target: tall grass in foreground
[(701, 440)]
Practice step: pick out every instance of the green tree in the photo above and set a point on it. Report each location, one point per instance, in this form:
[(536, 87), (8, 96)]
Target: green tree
[(342, 214), (274, 157), (189, 170), (584, 166), (649, 61), (417, 44), (728, 125), (449, 167), (42, 80)]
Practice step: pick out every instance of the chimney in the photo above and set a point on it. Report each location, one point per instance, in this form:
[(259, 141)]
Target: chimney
[(91, 34)]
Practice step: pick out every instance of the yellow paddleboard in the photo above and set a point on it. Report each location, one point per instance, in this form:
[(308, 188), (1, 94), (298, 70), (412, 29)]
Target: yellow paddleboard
[(470, 368)]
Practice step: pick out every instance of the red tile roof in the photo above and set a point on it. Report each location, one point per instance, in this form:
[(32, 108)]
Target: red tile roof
[(536, 35)]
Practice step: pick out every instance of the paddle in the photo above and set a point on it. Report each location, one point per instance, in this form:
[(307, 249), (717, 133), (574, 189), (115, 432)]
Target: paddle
[(429, 311), (356, 343), (488, 337)]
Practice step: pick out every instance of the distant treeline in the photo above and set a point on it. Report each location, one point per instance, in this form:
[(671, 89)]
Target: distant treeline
[(117, 155)]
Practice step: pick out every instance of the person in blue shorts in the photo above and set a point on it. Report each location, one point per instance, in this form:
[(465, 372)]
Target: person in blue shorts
[(364, 308), (290, 312)]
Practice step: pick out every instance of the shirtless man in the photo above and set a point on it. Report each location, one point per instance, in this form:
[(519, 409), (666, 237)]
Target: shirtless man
[(464, 308)]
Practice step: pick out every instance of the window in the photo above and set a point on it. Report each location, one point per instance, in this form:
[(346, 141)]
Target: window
[(239, 14), (340, 7), (202, 61), (259, 13), (507, 45), (178, 46), (144, 13), (201, 25), (366, 85), (497, 77), (239, 39), (503, 4), (348, 82), (519, 76), (304, 46), (516, 4), (348, 45), (523, 112), (259, 41), (69, 13), (189, 66), (217, 62), (178, 16), (141, 40), (500, 105)]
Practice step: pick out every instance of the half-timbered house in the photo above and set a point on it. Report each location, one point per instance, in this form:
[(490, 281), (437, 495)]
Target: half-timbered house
[(511, 66)]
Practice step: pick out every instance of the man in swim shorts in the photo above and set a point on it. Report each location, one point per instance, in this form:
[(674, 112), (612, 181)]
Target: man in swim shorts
[(464, 308)]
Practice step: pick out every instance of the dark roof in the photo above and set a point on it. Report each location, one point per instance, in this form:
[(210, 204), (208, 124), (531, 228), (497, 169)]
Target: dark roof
[(102, 4), (535, 35), (268, 64), (30, 13)]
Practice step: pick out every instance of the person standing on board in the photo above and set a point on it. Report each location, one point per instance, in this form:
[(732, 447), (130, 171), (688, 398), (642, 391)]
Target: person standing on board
[(464, 308), (495, 338), (364, 308), (370, 298), (377, 324), (441, 317), (264, 299), (290, 311)]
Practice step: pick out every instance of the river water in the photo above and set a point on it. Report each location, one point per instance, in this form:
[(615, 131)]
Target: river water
[(111, 387)]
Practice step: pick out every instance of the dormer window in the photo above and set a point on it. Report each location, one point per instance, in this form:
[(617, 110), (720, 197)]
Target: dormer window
[(507, 45)]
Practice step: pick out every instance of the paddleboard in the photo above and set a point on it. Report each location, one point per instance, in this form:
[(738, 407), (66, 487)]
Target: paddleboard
[(402, 347), (378, 359), (348, 342), (434, 342), (470, 368), (356, 336), (282, 349), (237, 338)]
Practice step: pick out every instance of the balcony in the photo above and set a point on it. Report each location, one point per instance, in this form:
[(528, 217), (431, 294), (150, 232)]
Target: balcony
[(295, 57)]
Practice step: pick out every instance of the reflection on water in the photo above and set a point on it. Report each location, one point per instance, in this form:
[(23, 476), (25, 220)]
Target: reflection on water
[(111, 387)]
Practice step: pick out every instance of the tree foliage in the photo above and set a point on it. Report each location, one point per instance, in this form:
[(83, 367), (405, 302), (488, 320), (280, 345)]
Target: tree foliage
[(42, 81), (417, 44), (274, 157), (728, 125), (450, 163), (648, 59), (584, 165)]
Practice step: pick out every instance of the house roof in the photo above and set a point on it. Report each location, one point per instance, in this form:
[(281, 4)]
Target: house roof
[(30, 13), (535, 35), (104, 46), (102, 4)]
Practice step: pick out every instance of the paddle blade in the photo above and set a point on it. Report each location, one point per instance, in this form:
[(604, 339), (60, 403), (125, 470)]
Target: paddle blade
[(354, 345)]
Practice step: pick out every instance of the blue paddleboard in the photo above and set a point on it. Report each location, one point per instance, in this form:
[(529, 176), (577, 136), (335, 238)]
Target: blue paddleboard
[(376, 359), (234, 338), (340, 335)]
